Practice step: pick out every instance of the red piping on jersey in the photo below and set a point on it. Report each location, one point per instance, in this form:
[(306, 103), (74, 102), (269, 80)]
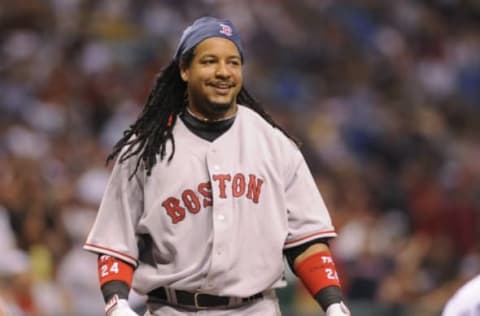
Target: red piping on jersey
[(111, 250), (309, 236)]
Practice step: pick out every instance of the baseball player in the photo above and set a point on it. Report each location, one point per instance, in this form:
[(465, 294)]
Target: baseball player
[(466, 301), (208, 195)]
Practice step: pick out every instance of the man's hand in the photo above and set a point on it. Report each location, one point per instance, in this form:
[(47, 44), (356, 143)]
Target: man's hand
[(338, 309), (118, 307)]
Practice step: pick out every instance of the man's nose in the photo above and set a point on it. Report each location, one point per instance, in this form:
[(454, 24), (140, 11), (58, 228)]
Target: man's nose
[(222, 70)]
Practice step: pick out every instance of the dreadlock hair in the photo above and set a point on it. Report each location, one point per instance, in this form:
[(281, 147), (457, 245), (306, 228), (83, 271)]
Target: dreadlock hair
[(148, 136)]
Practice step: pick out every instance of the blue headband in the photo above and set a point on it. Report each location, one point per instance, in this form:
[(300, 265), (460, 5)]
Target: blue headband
[(204, 28)]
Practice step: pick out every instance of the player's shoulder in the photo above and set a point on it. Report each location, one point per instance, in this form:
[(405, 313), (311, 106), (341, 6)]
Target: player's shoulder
[(259, 123), (465, 298), (472, 286), (129, 156), (249, 114)]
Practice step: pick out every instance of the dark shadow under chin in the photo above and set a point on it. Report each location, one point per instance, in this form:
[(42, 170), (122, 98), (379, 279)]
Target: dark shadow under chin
[(220, 107)]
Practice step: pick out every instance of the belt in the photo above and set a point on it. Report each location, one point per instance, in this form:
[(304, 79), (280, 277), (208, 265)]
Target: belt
[(198, 300)]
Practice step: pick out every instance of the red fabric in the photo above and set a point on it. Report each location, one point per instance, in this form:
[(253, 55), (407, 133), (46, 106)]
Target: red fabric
[(113, 269), (317, 272)]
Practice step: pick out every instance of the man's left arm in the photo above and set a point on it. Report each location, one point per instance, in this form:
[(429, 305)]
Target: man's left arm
[(314, 266)]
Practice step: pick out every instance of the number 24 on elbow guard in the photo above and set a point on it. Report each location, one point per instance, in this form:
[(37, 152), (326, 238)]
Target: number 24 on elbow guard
[(113, 269), (106, 269)]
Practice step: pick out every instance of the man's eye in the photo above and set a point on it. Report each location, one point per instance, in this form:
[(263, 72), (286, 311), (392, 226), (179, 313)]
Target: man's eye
[(208, 61)]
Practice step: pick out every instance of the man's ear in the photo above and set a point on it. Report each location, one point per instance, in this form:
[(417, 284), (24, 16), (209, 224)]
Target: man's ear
[(184, 73)]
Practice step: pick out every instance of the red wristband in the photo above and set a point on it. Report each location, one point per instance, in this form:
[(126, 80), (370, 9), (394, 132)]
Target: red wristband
[(113, 269), (317, 272)]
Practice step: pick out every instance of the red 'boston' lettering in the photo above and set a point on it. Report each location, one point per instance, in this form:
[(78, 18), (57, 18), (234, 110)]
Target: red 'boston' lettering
[(191, 201), (254, 188), (221, 178), (205, 189), (238, 185), (174, 210)]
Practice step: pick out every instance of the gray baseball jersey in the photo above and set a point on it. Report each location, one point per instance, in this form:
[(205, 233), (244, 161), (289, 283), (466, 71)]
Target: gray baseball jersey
[(217, 217)]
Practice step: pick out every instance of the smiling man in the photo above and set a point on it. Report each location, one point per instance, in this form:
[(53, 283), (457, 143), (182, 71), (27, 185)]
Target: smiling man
[(208, 195), (214, 79)]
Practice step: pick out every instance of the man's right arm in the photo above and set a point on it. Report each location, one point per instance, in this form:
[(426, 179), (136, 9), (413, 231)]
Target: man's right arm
[(115, 278)]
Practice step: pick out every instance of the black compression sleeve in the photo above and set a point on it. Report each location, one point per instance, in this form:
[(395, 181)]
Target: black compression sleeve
[(111, 288)]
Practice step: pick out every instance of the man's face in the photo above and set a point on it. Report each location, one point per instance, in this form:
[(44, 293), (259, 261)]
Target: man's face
[(214, 78)]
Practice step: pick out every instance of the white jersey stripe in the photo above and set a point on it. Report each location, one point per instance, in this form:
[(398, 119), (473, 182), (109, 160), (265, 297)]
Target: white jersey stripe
[(301, 240), (107, 251)]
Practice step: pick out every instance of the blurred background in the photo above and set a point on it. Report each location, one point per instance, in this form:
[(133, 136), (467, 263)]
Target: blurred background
[(384, 95)]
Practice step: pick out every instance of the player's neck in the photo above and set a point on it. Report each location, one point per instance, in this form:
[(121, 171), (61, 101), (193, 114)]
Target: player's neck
[(205, 119)]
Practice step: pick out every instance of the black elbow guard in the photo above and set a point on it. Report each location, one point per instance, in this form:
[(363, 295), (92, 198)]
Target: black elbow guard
[(111, 288), (328, 296)]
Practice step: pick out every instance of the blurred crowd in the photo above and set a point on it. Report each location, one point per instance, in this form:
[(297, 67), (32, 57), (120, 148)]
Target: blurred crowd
[(384, 95)]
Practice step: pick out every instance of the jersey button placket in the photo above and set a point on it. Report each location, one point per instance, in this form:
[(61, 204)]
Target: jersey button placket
[(214, 163)]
